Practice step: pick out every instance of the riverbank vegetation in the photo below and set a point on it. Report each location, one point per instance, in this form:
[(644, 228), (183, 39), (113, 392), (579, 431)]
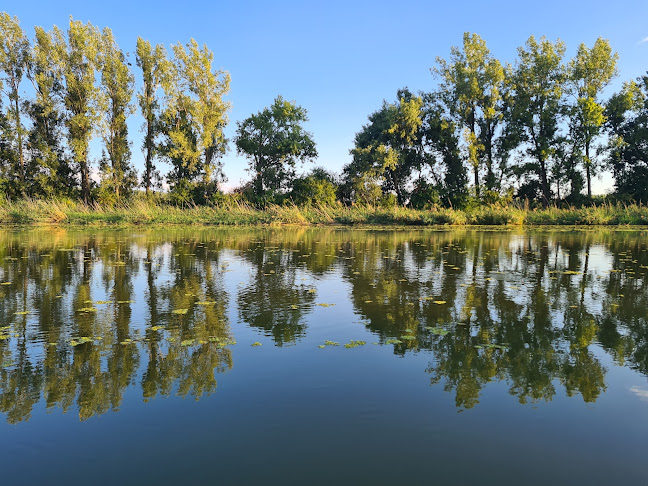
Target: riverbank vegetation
[(490, 141), (146, 212)]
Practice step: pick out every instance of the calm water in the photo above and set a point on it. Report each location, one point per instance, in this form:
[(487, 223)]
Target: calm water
[(191, 356)]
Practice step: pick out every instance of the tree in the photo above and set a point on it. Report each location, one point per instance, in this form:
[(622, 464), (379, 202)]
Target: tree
[(114, 102), (590, 72), (388, 147), (15, 61), (77, 60), (53, 174), (274, 141), (627, 119), (318, 187), (153, 63), (439, 138), (471, 85), (538, 84), (195, 117)]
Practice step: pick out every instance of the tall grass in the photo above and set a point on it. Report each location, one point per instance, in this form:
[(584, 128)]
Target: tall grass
[(142, 212)]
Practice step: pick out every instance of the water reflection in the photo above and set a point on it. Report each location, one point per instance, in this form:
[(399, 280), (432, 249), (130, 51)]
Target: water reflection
[(87, 315)]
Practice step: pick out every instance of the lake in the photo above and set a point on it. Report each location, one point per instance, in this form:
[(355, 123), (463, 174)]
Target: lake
[(323, 356)]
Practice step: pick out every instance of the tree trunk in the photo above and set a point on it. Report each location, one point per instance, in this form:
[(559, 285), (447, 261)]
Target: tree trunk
[(588, 165), (85, 182), (546, 191), (149, 156), (20, 147)]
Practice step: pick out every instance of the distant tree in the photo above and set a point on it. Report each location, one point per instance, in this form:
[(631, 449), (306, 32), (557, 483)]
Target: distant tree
[(194, 118), (53, 173), (443, 158), (627, 119), (274, 140), (388, 147), (538, 84), (590, 72), (153, 63), (471, 86), (15, 62), (318, 187), (77, 61), (114, 101)]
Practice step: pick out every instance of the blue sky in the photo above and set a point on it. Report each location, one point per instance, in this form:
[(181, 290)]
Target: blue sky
[(340, 59)]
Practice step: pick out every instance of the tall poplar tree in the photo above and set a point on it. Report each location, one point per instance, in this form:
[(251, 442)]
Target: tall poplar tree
[(471, 86), (590, 72), (77, 58), (194, 118), (54, 174), (114, 101), (15, 60), (153, 63)]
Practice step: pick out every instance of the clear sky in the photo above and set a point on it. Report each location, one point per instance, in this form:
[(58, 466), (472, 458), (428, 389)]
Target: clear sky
[(340, 59)]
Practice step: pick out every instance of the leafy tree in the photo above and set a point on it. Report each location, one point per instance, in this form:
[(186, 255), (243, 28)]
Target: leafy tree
[(274, 140), (15, 61), (114, 102), (388, 147), (627, 119), (77, 59), (194, 118), (153, 63), (438, 133), (539, 83), (53, 174), (590, 72), (318, 187), (471, 86)]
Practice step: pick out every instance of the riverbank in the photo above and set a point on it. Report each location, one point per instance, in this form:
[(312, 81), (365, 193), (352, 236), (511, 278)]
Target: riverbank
[(43, 212)]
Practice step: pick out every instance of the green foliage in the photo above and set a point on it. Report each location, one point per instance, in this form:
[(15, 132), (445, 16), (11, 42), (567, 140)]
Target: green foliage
[(153, 63), (76, 63), (194, 117), (15, 61), (471, 86), (590, 72), (114, 101), (317, 188), (274, 141)]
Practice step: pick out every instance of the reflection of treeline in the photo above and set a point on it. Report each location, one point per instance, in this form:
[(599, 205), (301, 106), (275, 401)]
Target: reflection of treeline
[(84, 350), (511, 306)]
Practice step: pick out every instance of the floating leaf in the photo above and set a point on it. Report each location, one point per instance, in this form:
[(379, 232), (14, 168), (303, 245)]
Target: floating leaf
[(180, 311), (408, 338), (257, 343), (355, 344), (331, 343), (393, 341)]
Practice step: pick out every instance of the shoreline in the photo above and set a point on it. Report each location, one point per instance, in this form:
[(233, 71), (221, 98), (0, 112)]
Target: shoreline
[(43, 213)]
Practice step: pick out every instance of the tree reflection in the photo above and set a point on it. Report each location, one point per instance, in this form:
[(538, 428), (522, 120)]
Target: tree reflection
[(86, 316)]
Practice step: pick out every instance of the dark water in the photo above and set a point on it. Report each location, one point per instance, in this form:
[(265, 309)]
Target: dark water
[(474, 357)]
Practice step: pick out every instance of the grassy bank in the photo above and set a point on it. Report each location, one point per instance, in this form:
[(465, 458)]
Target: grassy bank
[(237, 214)]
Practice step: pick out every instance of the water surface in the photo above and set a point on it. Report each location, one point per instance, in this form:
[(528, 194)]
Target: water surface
[(320, 356)]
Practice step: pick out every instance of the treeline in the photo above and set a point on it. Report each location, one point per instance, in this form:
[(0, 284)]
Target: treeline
[(537, 130), (84, 87)]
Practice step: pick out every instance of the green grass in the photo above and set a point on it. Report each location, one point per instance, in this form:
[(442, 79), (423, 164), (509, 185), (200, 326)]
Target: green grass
[(141, 212)]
